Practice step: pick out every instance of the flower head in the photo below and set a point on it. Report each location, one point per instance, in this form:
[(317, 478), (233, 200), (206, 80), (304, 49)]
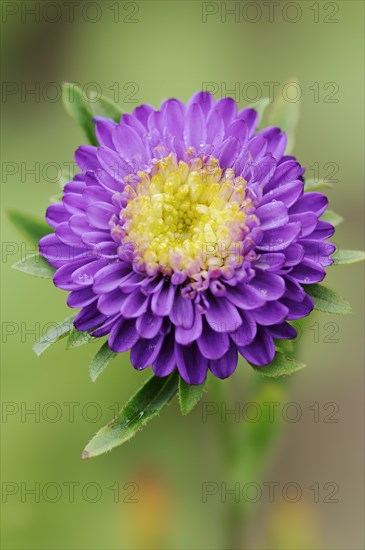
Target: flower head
[(187, 238)]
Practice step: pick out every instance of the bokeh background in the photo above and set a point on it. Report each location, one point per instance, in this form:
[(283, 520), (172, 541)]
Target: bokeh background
[(147, 51)]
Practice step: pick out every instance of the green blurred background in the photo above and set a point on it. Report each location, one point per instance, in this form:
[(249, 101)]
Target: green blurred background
[(147, 51)]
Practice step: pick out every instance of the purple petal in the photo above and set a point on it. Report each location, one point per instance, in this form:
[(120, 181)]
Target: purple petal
[(186, 336), (271, 215), (127, 142), (145, 352), (81, 298), (85, 157), (222, 315), (142, 113), (250, 116), (228, 151), (135, 304), (111, 302), (165, 362), (246, 332), (104, 129), (191, 364), (279, 238), (109, 277), (297, 310), (245, 297), (162, 300), (174, 117), (308, 272), (204, 99), (287, 193), (123, 335), (182, 312), (310, 202), (99, 214), (272, 313), (283, 331), (269, 285), (56, 214), (226, 365), (212, 344), (195, 128), (262, 350), (89, 317), (148, 324)]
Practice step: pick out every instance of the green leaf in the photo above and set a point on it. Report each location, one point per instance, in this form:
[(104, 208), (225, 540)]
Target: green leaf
[(332, 217), (105, 107), (285, 346), (281, 365), (189, 395), (30, 226), (53, 334), (79, 109), (313, 185), (285, 114), (78, 338), (35, 265), (101, 360), (142, 407), (260, 107), (328, 300), (341, 257)]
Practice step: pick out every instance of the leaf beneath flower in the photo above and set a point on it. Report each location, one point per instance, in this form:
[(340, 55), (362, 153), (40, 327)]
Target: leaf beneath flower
[(332, 217), (101, 360), (328, 300), (285, 114), (52, 335), (142, 407), (281, 365), (341, 257), (32, 228), (78, 338), (35, 265), (105, 107), (260, 107), (313, 185), (78, 108), (189, 395)]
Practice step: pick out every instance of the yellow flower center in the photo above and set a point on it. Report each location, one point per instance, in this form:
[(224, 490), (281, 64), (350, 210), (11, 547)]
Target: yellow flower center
[(186, 217)]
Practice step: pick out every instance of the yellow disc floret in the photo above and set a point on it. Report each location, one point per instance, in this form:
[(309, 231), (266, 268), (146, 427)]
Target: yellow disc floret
[(186, 217)]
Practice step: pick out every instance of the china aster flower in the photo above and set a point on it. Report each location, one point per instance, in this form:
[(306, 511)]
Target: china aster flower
[(187, 238)]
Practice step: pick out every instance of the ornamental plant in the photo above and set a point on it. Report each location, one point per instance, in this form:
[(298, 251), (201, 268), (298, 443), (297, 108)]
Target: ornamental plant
[(189, 237)]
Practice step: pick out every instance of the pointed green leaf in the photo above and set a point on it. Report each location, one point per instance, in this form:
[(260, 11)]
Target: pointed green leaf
[(79, 109), (260, 107), (101, 360), (35, 265), (285, 114), (281, 365), (78, 338), (328, 300), (313, 185), (332, 217), (142, 407), (341, 257), (30, 226), (189, 395), (105, 107), (285, 346), (53, 334)]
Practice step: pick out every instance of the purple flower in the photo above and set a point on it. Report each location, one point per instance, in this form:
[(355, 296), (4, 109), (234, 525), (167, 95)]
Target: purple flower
[(187, 238)]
